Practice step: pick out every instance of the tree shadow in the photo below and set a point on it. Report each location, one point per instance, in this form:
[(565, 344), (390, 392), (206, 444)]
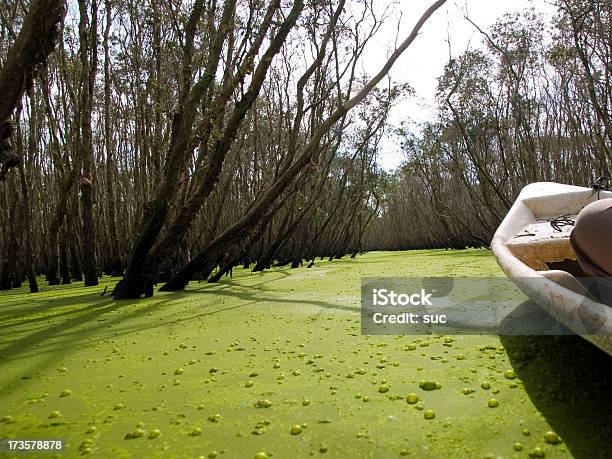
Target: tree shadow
[(569, 380), (256, 297), (67, 334), (19, 310)]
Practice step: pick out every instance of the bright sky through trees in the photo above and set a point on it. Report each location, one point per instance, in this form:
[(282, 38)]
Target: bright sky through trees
[(424, 62)]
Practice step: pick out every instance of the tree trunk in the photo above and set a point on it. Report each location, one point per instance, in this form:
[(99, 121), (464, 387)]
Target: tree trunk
[(155, 212), (270, 195), (64, 265), (114, 267), (28, 234), (88, 52), (35, 42), (75, 265), (182, 223)]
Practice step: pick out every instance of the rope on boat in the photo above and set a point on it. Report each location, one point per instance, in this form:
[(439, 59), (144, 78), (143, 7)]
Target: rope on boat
[(558, 223)]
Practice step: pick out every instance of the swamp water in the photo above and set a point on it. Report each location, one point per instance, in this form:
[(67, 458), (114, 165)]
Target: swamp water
[(273, 365)]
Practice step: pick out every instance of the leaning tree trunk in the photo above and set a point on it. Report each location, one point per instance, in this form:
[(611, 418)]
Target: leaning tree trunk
[(221, 146), (156, 211), (34, 43), (239, 229)]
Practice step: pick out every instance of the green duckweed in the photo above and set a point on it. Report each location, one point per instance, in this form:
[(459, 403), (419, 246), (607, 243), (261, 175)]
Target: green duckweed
[(429, 385), (551, 438)]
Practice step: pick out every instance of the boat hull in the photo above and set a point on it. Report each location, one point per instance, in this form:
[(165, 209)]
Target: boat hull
[(526, 244)]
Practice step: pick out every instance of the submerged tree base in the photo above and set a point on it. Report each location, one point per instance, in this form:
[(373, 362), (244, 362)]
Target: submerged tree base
[(274, 363)]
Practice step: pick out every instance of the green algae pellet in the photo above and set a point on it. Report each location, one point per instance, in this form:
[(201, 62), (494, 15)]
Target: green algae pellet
[(6, 419), (196, 432), (412, 398), (518, 446), (510, 374), (305, 402), (383, 389), (404, 452), (493, 403), (277, 366), (213, 370), (411, 347), (537, 452), (429, 414), (118, 406), (485, 385), (261, 455), (212, 454), (296, 430), (467, 391), (366, 398), (154, 433), (91, 430), (460, 357), (428, 385), (214, 418), (526, 432), (248, 384), (54, 414), (178, 371), (192, 362), (65, 393), (551, 438), (136, 433)]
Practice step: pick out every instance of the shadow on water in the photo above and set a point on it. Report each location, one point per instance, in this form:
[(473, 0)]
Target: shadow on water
[(569, 380)]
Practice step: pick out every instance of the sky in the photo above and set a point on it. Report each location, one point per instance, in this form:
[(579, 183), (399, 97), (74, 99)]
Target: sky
[(424, 61)]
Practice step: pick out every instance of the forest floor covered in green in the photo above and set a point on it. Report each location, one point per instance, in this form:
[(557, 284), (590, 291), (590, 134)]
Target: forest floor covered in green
[(273, 364)]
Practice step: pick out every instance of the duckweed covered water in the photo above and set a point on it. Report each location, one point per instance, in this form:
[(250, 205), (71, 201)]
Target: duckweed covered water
[(272, 365)]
